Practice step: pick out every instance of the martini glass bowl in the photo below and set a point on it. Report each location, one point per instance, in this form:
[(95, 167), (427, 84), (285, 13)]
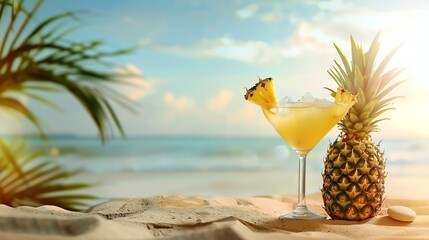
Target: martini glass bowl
[(302, 125)]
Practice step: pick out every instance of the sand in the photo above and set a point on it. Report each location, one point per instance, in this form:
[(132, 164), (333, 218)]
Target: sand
[(184, 217)]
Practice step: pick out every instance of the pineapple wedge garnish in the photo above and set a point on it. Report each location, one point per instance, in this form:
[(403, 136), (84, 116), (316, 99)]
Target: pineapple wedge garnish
[(344, 96), (262, 94)]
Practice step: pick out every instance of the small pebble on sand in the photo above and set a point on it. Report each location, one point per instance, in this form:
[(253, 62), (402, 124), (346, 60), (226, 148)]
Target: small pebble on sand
[(401, 213)]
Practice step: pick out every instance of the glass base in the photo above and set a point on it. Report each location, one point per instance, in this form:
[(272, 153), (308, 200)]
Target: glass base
[(302, 213)]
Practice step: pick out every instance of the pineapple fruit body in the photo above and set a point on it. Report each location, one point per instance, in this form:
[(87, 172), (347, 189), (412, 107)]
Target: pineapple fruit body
[(353, 179)]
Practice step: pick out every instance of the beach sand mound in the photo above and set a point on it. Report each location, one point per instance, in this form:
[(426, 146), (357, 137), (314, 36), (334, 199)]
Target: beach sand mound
[(180, 217)]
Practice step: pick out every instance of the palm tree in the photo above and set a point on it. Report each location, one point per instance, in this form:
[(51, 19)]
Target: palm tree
[(40, 59), (27, 180)]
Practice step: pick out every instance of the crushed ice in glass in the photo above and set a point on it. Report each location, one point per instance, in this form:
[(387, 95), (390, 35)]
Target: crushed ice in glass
[(307, 99), (286, 100)]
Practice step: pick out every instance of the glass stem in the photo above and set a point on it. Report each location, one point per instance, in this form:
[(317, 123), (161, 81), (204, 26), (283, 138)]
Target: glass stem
[(301, 180)]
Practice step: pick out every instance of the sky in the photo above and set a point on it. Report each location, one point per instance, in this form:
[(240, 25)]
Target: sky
[(197, 57)]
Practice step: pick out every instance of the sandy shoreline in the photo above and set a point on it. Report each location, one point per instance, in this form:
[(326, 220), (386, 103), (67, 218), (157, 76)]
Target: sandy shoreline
[(179, 217)]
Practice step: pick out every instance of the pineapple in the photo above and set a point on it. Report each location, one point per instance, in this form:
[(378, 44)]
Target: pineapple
[(344, 96), (263, 93), (354, 168)]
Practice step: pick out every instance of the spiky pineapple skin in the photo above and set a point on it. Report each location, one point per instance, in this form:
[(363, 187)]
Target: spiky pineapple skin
[(353, 179)]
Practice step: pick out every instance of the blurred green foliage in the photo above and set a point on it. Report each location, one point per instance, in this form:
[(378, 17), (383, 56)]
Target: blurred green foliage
[(38, 58)]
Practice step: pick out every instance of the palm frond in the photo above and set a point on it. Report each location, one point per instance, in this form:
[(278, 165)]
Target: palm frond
[(42, 56), (27, 179), (16, 106), (41, 59)]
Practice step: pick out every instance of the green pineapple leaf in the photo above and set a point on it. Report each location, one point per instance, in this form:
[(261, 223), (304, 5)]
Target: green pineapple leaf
[(345, 61)]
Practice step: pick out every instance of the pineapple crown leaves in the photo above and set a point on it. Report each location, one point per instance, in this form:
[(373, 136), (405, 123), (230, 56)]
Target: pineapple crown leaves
[(370, 82)]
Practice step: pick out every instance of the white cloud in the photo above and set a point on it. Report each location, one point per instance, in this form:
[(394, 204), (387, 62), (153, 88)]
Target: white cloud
[(229, 48), (270, 17), (334, 5), (310, 38), (247, 12), (244, 51), (136, 86), (265, 12), (306, 39), (182, 103), (220, 101)]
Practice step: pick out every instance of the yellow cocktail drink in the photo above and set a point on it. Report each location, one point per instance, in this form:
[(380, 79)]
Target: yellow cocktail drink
[(302, 125)]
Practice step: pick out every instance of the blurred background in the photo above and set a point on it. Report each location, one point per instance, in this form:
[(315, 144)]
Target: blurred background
[(193, 133)]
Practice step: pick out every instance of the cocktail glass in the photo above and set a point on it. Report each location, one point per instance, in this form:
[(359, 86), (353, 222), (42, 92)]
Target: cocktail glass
[(302, 125)]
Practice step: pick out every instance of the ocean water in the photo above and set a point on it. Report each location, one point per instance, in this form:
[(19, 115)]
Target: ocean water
[(207, 166), (140, 154)]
